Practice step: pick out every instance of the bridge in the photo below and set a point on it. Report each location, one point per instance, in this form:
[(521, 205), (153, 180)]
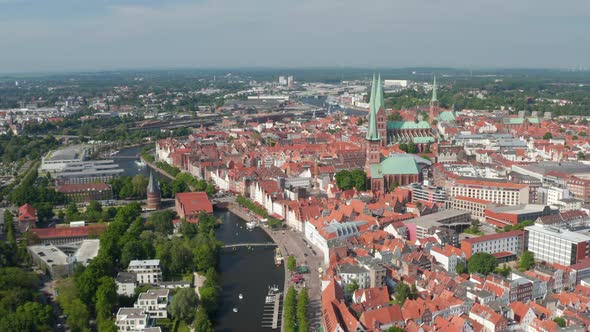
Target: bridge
[(241, 245)]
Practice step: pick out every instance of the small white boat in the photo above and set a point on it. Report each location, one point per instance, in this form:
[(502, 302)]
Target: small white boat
[(235, 309), (240, 296), (251, 225), (140, 163)]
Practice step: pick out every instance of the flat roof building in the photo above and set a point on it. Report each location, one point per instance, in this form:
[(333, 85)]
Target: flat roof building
[(557, 245)]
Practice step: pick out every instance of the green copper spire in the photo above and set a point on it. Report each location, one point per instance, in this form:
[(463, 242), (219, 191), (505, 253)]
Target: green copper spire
[(434, 100), (372, 133), (372, 98)]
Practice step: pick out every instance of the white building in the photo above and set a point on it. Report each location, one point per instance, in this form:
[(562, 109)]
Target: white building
[(126, 283), (154, 302), (147, 271), (512, 241), (556, 245), (350, 273), (448, 257), (328, 233), (132, 320)]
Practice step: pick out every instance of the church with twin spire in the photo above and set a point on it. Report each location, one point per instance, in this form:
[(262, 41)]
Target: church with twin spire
[(396, 169)]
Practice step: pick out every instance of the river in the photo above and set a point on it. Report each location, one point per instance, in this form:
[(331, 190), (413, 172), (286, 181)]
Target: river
[(243, 271)]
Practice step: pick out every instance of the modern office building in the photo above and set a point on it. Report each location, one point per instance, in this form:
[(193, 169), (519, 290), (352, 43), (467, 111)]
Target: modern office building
[(557, 245)]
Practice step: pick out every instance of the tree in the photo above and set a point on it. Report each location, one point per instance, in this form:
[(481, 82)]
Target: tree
[(404, 292), (78, 315), (359, 121), (503, 271), (161, 221), (106, 298), (210, 298), (560, 321), (183, 304), (412, 148), (94, 206), (291, 263), (72, 213), (344, 180), (461, 268), (139, 184), (302, 304), (395, 116), (548, 135), (582, 133), (395, 329), (526, 261), (289, 307), (202, 322), (359, 179), (352, 286), (483, 263)]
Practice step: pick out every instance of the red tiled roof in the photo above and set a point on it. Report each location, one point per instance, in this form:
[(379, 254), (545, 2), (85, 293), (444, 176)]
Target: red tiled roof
[(491, 237), (66, 232), (194, 202), (27, 213)]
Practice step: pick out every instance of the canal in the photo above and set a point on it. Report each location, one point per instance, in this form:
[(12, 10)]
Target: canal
[(242, 271)]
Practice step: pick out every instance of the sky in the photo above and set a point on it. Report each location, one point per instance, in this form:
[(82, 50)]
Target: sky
[(81, 35)]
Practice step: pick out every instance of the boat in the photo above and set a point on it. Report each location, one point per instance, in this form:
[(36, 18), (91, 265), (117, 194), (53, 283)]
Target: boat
[(235, 309), (240, 296), (278, 257), (140, 163), (251, 224), (114, 152)]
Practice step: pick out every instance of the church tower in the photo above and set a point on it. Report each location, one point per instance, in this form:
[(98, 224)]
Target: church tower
[(373, 137), (433, 103), (154, 197)]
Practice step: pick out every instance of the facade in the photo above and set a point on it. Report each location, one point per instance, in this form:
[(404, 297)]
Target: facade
[(555, 245), (512, 241), (427, 193), (419, 228), (132, 320), (88, 172), (448, 257), (79, 193), (579, 188), (476, 206), (126, 283), (350, 273), (52, 260), (501, 192), (147, 271), (154, 302), (154, 196)]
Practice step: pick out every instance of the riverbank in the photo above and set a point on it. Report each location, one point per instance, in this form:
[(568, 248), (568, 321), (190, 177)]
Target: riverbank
[(156, 168), (293, 243)]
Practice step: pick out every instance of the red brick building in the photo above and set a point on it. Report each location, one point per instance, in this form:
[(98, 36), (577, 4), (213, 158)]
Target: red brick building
[(27, 217), (190, 205)]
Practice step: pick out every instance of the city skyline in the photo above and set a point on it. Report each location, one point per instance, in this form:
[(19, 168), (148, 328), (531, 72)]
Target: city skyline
[(130, 34)]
